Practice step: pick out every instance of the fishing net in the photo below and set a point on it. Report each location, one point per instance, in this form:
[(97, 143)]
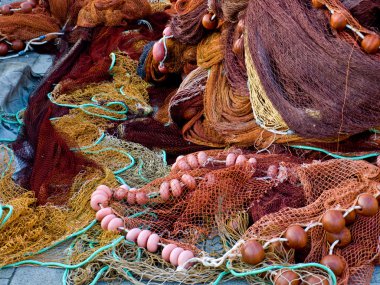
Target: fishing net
[(187, 24), (117, 162), (234, 204), (252, 118), (27, 26), (87, 115), (211, 113), (287, 96), (80, 65), (127, 92), (112, 13), (154, 134)]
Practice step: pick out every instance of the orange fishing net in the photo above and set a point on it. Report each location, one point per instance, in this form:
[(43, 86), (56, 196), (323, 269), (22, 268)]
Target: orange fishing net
[(112, 12), (27, 26), (277, 191)]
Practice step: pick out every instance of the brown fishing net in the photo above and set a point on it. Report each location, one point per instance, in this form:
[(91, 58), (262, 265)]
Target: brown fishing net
[(245, 114), (300, 97)]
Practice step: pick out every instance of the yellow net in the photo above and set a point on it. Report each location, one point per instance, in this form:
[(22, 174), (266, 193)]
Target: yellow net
[(110, 100)]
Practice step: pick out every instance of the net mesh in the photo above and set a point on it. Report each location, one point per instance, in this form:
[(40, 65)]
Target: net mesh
[(328, 108), (227, 205), (74, 141)]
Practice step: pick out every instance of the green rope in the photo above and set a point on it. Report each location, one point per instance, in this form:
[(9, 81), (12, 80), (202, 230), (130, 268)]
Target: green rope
[(64, 276), (6, 118), (336, 155), (276, 267), (11, 118), (97, 106), (220, 277), (113, 62), (67, 266), (99, 275), (164, 157), (140, 171), (138, 258), (10, 208), (98, 141), (119, 151), (121, 180)]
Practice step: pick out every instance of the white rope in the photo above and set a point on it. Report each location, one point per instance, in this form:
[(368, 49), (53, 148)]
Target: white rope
[(332, 246), (312, 225), (35, 41), (273, 240), (212, 262), (145, 22), (349, 210), (162, 62)]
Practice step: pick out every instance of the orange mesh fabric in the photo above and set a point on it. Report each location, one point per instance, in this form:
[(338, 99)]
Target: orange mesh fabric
[(300, 193), (112, 12), (27, 26)]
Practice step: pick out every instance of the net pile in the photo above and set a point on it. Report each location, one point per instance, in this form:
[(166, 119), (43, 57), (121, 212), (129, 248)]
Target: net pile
[(254, 67), (327, 108), (230, 204), (257, 79), (127, 95), (219, 204)]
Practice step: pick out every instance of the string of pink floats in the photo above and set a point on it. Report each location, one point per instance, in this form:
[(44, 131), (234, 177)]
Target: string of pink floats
[(172, 253)]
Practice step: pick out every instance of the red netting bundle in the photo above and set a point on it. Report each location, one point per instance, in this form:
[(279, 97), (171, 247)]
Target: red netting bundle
[(39, 141), (154, 134), (187, 25), (93, 65)]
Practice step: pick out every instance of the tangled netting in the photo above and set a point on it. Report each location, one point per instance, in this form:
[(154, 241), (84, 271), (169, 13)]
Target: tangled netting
[(228, 205), (109, 113), (269, 79), (310, 104)]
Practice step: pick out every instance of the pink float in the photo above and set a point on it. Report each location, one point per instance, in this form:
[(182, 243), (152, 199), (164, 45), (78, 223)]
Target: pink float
[(106, 220), (167, 251), (152, 244), (142, 239), (133, 234), (102, 213), (165, 191), (114, 224), (175, 187)]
